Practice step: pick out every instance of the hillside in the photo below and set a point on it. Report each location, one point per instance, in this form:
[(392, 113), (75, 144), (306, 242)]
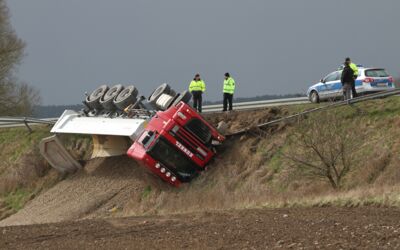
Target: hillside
[(23, 172), (254, 170)]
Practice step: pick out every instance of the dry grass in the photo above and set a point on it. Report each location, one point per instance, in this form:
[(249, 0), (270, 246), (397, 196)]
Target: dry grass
[(24, 173), (252, 171)]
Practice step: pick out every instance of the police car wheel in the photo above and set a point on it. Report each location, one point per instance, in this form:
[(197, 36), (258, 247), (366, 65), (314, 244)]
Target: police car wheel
[(314, 97)]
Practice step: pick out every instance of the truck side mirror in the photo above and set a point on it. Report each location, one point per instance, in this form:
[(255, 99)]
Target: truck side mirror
[(322, 80)]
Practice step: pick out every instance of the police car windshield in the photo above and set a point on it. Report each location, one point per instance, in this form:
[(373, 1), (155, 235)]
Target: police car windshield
[(173, 159)]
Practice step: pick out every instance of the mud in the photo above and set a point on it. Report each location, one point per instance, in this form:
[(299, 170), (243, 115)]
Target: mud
[(314, 228)]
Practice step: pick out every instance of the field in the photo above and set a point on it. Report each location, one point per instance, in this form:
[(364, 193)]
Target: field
[(251, 189)]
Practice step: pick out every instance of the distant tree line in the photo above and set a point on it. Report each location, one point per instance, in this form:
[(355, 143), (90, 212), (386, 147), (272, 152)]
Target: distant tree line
[(16, 98), (53, 111)]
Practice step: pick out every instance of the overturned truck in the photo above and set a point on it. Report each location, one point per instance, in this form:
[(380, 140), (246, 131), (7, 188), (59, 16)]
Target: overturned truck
[(162, 132)]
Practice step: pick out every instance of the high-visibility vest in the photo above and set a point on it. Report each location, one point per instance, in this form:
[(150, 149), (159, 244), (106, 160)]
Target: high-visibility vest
[(229, 86), (197, 86), (354, 68)]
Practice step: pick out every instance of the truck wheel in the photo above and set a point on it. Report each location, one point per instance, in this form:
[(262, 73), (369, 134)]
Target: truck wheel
[(107, 101), (126, 97), (93, 100), (184, 96), (314, 98), (172, 93), (164, 101), (162, 89)]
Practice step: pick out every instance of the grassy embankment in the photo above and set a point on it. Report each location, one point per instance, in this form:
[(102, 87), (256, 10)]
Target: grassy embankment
[(23, 172), (253, 170)]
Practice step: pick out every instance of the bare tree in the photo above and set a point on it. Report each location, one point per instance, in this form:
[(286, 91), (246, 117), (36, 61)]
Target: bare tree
[(18, 99), (324, 146), (15, 98)]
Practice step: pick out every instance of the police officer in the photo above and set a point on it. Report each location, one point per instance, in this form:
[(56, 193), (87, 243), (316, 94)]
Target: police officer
[(197, 87), (355, 75), (347, 80), (229, 90)]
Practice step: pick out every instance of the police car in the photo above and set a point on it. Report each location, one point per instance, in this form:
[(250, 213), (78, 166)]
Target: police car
[(369, 80)]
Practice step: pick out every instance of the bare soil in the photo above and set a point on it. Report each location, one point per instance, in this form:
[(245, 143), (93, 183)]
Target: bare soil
[(100, 188), (313, 228)]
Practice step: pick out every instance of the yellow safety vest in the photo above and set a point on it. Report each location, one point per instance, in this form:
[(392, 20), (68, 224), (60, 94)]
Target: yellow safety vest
[(229, 86), (354, 68), (197, 86)]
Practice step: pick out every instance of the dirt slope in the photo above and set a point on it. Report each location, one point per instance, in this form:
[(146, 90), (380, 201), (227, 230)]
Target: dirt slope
[(95, 190), (313, 228)]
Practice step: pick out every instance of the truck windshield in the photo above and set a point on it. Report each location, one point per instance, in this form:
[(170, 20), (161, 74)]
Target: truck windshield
[(173, 159)]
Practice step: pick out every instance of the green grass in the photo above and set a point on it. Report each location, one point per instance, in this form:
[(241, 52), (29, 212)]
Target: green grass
[(14, 142), (146, 192), (17, 199), (19, 149)]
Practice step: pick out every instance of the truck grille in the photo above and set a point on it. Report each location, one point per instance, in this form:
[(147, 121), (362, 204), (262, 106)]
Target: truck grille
[(190, 142), (199, 130)]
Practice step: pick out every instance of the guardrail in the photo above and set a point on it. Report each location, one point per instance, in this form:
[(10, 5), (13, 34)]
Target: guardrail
[(24, 121), (257, 104)]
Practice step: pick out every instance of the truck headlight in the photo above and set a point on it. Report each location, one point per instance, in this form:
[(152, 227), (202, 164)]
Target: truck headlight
[(182, 116), (168, 174), (158, 165), (173, 178), (162, 170)]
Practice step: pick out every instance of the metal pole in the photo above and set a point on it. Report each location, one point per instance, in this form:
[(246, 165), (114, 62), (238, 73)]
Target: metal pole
[(27, 126)]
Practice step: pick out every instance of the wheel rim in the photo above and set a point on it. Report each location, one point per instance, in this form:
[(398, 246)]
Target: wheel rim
[(314, 97)]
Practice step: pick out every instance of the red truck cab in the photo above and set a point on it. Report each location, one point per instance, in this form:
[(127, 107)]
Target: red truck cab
[(176, 144)]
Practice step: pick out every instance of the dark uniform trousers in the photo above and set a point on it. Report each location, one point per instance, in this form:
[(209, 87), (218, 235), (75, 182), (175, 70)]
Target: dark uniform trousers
[(228, 99), (353, 88), (197, 100)]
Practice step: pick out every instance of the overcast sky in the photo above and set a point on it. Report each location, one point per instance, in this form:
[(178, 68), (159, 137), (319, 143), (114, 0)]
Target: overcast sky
[(268, 46)]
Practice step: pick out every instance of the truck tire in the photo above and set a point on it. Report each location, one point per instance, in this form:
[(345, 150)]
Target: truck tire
[(93, 100), (107, 101), (184, 96), (126, 97), (162, 89), (172, 93), (164, 102)]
